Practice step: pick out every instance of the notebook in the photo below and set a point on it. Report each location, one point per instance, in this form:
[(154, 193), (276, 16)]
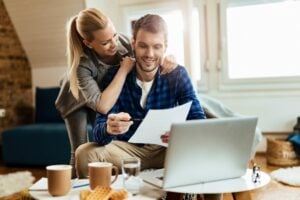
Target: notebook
[(207, 150)]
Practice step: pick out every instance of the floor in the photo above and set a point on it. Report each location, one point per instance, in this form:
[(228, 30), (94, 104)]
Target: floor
[(272, 191)]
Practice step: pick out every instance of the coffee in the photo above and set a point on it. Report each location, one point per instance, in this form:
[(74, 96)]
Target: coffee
[(59, 179), (100, 174)]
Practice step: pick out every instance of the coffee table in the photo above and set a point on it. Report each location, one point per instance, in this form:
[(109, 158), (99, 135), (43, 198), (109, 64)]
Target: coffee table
[(239, 187), (147, 192), (150, 192)]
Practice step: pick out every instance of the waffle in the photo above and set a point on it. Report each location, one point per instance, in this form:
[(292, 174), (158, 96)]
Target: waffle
[(99, 192), (119, 195), (103, 193), (84, 194)]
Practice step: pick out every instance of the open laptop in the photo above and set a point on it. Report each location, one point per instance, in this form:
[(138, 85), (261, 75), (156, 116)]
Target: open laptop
[(206, 150)]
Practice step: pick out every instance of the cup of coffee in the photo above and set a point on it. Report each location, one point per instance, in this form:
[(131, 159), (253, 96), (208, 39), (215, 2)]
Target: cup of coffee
[(59, 179), (100, 173)]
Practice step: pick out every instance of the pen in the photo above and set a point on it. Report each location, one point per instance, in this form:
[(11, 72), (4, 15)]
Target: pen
[(136, 119), (82, 185)]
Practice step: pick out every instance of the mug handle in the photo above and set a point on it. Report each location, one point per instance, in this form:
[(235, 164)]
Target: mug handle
[(116, 170)]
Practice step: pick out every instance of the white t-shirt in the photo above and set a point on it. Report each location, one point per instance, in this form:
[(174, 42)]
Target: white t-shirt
[(146, 86)]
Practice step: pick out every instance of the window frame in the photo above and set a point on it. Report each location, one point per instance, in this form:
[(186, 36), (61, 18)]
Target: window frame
[(291, 83), (134, 8)]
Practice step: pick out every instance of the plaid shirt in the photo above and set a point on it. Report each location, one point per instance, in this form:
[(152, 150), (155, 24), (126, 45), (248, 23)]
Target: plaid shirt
[(167, 91)]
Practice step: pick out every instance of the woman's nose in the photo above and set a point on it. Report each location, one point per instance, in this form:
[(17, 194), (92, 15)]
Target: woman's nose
[(114, 42)]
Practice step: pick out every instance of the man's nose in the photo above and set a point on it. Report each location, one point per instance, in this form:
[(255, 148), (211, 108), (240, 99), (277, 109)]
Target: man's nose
[(150, 52)]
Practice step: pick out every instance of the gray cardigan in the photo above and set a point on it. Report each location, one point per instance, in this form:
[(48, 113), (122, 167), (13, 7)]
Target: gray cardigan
[(90, 73)]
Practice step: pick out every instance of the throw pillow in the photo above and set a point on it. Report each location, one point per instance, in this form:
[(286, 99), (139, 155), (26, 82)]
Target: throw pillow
[(45, 110)]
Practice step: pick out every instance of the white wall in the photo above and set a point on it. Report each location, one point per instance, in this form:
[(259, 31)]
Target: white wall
[(47, 76), (276, 113)]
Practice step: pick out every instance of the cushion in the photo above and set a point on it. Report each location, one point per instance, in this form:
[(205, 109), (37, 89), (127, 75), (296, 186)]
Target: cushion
[(288, 175), (36, 144), (45, 110), (295, 139), (215, 108)]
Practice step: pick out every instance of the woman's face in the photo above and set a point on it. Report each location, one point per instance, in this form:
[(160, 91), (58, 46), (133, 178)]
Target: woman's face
[(105, 42)]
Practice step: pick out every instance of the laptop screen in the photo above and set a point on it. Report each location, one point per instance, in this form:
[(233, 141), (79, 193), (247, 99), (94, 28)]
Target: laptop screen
[(208, 150)]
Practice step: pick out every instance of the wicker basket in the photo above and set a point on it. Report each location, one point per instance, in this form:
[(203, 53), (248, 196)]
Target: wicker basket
[(281, 152)]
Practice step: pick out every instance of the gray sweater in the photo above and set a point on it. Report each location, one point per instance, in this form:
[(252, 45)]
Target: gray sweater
[(90, 73)]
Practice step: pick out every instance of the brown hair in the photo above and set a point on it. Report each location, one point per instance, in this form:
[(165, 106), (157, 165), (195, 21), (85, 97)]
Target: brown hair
[(81, 27), (152, 23)]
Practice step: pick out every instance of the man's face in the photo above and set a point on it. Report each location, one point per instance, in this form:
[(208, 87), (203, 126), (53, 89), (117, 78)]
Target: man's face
[(149, 50)]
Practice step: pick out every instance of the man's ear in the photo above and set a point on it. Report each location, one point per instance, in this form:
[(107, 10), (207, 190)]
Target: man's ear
[(87, 43)]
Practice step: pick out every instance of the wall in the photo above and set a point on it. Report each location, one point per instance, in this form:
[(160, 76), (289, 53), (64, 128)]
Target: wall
[(15, 75)]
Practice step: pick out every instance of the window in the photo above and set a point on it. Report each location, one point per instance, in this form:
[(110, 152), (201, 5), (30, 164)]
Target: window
[(175, 21), (263, 39), (246, 44)]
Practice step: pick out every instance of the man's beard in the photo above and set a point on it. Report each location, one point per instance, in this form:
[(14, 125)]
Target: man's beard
[(146, 69), (143, 67)]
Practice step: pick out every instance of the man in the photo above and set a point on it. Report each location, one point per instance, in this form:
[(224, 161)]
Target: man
[(145, 88)]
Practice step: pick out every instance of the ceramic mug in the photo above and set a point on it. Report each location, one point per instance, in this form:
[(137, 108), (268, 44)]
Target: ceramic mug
[(59, 179), (100, 173)]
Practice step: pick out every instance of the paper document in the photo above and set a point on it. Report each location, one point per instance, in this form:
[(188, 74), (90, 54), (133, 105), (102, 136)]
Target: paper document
[(42, 184), (153, 177), (157, 122)]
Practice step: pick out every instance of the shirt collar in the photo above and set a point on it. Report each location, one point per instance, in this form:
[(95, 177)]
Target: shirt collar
[(133, 77)]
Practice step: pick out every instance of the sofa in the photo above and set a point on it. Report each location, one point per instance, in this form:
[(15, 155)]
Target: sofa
[(46, 141), (43, 142)]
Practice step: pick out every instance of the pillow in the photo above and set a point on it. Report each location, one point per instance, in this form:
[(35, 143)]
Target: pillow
[(45, 110), (288, 175), (215, 108)]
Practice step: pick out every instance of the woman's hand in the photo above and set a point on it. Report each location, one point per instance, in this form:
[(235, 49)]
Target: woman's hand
[(168, 64), (127, 64)]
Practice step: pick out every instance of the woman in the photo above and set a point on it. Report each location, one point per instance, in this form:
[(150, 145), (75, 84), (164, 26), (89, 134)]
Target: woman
[(93, 45)]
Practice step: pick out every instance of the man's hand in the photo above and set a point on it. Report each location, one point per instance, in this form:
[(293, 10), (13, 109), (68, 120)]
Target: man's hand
[(118, 123), (168, 64), (165, 137)]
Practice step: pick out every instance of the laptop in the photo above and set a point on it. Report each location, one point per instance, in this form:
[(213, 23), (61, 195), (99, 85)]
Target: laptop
[(207, 150)]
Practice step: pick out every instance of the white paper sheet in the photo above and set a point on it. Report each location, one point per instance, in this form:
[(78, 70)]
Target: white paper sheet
[(157, 122), (42, 184)]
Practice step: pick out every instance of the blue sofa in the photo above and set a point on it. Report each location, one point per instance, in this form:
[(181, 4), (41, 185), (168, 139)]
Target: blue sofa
[(46, 142), (43, 143)]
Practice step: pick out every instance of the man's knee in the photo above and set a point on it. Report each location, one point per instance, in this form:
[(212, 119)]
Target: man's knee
[(85, 154)]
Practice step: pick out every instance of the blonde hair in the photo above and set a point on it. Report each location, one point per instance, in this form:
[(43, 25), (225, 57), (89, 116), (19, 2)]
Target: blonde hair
[(81, 27)]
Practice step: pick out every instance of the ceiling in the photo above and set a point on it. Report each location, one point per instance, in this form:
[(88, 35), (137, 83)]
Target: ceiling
[(40, 25)]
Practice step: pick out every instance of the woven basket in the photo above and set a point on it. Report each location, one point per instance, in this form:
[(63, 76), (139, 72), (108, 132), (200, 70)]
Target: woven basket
[(281, 152)]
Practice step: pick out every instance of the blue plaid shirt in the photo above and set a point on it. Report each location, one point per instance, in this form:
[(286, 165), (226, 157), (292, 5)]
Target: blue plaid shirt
[(167, 91)]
